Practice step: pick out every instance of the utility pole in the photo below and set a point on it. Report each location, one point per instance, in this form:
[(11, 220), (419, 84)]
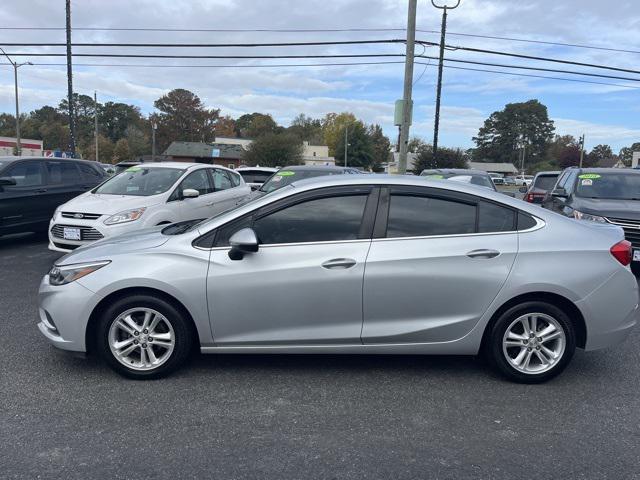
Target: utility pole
[(581, 149), (15, 66), (436, 123), (72, 122), (346, 145), (407, 103), (95, 118), (154, 127)]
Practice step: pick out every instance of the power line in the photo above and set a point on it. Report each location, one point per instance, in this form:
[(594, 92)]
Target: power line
[(205, 45), (239, 57)]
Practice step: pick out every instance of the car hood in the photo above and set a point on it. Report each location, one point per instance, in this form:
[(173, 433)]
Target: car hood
[(627, 209), (105, 249), (107, 204)]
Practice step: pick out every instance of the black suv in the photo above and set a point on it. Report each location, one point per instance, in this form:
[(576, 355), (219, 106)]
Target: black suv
[(31, 188), (605, 195)]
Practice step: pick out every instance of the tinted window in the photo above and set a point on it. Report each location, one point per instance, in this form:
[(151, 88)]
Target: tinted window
[(562, 181), (284, 177), (235, 179), (221, 180), (141, 181), (90, 173), (226, 231), (255, 176), (525, 221), (617, 186), (545, 182), (198, 180), (495, 218), (64, 173), (319, 220), (26, 174), (413, 216)]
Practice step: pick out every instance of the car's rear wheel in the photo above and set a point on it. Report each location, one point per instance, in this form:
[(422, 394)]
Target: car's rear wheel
[(144, 337), (531, 342)]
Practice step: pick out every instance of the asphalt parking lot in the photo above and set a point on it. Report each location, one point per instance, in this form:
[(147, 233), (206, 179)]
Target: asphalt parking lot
[(301, 417)]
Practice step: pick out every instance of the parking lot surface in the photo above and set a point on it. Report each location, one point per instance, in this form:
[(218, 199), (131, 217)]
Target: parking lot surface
[(318, 416)]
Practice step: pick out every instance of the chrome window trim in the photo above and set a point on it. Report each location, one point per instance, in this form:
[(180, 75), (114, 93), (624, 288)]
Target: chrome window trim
[(297, 244)]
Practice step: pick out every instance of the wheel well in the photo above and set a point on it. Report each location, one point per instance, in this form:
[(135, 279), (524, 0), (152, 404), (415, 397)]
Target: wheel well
[(90, 338), (563, 303)]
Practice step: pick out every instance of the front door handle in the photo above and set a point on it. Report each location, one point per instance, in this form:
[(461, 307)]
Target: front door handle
[(339, 263), (483, 253)]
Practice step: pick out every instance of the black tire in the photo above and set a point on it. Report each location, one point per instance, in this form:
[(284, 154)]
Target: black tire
[(493, 348), (182, 331)]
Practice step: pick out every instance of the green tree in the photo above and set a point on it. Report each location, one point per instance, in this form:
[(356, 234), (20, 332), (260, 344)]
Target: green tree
[(446, 158), (307, 129), (333, 128), (83, 112), (557, 145), (274, 150), (502, 134), (139, 143), (114, 118), (381, 147), (601, 152), (184, 117), (626, 153), (225, 127), (415, 144), (105, 150), (254, 125), (360, 152), (121, 151)]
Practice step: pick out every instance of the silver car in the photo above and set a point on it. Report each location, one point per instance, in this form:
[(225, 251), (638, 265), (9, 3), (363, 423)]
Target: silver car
[(350, 264)]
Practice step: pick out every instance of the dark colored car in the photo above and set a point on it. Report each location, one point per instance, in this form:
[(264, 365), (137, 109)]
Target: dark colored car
[(288, 175), (31, 188), (603, 195), (122, 166), (542, 183)]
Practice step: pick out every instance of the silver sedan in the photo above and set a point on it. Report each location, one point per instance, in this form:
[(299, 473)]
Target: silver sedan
[(350, 264)]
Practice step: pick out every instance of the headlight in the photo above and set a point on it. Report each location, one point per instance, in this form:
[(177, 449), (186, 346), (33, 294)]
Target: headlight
[(61, 275), (126, 216), (586, 216)]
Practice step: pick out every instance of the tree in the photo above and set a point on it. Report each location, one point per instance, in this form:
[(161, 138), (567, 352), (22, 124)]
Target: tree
[(254, 125), (183, 116), (380, 145), (105, 150), (447, 158), (121, 151), (83, 111), (500, 137), (137, 141), (601, 152), (414, 145), (307, 129), (569, 156), (274, 150), (333, 128), (557, 145), (225, 127), (360, 151), (626, 153), (114, 119)]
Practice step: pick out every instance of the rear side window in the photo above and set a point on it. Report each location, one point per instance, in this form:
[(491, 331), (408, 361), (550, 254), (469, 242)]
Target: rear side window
[(318, 220), (525, 221), (545, 182), (495, 218), (221, 180), (235, 179), (26, 174), (89, 172), (63, 173), (417, 216)]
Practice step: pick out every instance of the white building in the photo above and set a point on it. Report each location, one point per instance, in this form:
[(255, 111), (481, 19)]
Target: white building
[(311, 154), (30, 148), (635, 159)]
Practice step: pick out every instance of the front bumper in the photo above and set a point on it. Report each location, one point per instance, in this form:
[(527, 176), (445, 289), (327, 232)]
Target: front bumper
[(64, 313)]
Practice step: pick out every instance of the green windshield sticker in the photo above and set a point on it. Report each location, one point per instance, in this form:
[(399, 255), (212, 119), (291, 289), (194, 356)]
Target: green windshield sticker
[(437, 177), (589, 175), (133, 169), (286, 173)]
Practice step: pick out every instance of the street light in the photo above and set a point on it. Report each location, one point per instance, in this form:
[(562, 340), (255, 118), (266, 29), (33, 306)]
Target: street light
[(16, 65)]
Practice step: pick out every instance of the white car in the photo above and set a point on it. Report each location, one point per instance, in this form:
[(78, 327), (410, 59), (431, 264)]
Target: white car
[(143, 196), (523, 180), (256, 176)]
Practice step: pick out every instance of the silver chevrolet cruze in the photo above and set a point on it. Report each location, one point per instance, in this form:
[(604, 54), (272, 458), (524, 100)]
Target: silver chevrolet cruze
[(357, 264)]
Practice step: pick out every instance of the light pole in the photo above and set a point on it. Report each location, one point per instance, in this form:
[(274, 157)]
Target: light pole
[(436, 123), (95, 119), (346, 144), (16, 65), (154, 127)]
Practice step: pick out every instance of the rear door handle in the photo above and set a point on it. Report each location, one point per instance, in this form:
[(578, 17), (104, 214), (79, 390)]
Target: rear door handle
[(339, 263), (483, 253)]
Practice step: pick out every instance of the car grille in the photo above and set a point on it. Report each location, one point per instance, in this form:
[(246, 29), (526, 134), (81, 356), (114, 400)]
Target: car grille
[(86, 233), (83, 216), (631, 229)]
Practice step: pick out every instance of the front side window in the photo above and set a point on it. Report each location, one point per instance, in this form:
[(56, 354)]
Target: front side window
[(63, 173), (318, 220), (419, 216), (198, 180), (26, 174), (89, 172), (141, 181)]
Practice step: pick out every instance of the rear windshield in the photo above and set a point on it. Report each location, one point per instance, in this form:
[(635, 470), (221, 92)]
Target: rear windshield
[(481, 180), (141, 181), (255, 176), (616, 186), (545, 182), (284, 177)]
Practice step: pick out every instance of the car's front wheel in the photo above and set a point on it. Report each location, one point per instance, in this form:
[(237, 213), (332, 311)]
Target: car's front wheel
[(144, 337), (531, 342)]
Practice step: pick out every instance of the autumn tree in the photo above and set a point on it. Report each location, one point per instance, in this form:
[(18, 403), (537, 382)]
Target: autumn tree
[(225, 127), (274, 150), (333, 128), (254, 125)]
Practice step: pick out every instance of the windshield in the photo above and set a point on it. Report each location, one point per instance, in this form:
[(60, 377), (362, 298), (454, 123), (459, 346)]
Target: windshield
[(545, 182), (616, 186), (285, 177), (141, 181)]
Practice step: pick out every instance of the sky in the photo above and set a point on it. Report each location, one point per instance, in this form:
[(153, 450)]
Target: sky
[(604, 113)]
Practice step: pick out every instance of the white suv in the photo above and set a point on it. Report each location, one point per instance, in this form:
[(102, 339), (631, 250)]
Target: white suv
[(142, 196), (523, 180)]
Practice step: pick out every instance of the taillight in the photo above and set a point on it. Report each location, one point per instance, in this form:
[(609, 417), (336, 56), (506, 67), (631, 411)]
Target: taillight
[(622, 252), (530, 197)]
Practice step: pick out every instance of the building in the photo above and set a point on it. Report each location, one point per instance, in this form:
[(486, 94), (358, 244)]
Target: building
[(610, 163), (30, 148), (392, 167), (311, 154), (635, 159), (493, 167), (226, 155)]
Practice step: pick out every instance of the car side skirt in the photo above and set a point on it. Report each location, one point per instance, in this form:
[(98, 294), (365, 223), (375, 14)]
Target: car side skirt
[(445, 348)]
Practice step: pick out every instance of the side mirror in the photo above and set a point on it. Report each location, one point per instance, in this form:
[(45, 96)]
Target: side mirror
[(5, 181), (242, 242), (559, 192), (523, 189), (190, 193)]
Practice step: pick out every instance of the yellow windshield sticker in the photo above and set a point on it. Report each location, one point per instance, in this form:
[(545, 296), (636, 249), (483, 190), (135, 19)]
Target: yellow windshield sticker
[(286, 173), (133, 169), (589, 175)]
